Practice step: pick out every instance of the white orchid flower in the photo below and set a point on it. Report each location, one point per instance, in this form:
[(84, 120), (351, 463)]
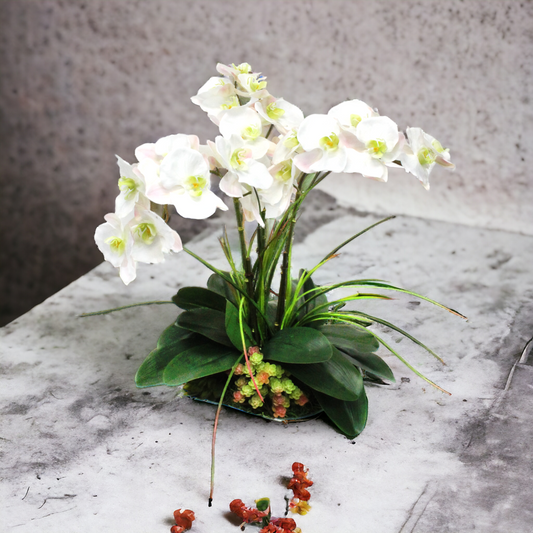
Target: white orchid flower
[(287, 145), (422, 153), (325, 145), (245, 122), (132, 187), (235, 156), (184, 181), (350, 113), (152, 237), (115, 241), (379, 145), (232, 71), (162, 147), (215, 97), (277, 198), (284, 115)]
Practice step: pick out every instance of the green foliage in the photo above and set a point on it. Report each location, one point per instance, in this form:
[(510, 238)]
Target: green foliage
[(298, 345), (326, 346)]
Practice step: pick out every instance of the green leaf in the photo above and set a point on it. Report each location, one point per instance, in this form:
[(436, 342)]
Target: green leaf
[(193, 297), (199, 361), (262, 504), (216, 284), (151, 371), (233, 329), (172, 334), (349, 417), (298, 345), (206, 322), (373, 364), (349, 339), (309, 290), (336, 377)]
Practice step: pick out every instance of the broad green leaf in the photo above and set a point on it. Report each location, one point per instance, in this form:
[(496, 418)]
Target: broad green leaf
[(199, 361), (233, 329), (216, 284), (372, 363), (151, 371), (172, 334), (206, 322), (349, 417), (193, 297), (336, 377), (298, 345), (350, 339)]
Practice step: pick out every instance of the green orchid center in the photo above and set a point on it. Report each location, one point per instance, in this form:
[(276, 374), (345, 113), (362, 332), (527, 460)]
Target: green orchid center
[(354, 120), (250, 133), (256, 85), (438, 146), (291, 141), (329, 144), (285, 172), (195, 185), (231, 102), (274, 112), (243, 68), (425, 157), (128, 186), (237, 159), (376, 148), (146, 232), (116, 244)]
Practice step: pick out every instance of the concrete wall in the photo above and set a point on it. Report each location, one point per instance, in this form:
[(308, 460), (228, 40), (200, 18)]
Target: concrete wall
[(81, 81)]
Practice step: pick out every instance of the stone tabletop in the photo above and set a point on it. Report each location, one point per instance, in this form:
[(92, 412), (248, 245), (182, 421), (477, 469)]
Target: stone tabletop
[(84, 450)]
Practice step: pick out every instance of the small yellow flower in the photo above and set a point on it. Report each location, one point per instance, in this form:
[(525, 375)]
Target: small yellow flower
[(300, 508)]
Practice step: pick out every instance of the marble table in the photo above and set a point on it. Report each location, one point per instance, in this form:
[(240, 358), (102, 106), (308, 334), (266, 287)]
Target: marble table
[(84, 450)]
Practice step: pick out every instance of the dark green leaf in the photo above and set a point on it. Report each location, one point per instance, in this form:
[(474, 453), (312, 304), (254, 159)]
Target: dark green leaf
[(310, 300), (262, 504), (172, 334), (373, 364), (337, 377), (349, 417), (199, 361), (206, 322), (151, 371), (350, 339), (216, 284), (233, 329), (298, 345), (193, 297)]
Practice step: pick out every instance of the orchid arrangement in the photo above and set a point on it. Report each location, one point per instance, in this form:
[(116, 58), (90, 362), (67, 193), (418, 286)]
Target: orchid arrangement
[(279, 346)]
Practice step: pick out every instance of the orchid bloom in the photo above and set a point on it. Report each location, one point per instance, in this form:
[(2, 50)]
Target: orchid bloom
[(184, 181), (215, 97), (380, 144), (243, 168), (245, 122), (422, 153), (282, 114), (324, 143), (351, 113), (132, 187), (152, 237), (115, 241), (287, 146)]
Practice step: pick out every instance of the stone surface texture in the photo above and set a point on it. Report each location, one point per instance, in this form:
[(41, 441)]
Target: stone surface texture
[(84, 450), (81, 81)]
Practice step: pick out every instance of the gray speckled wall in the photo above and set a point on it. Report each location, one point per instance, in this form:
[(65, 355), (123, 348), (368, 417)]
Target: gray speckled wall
[(81, 81)]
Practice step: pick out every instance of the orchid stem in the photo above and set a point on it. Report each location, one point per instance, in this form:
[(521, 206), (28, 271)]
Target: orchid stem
[(214, 438)]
